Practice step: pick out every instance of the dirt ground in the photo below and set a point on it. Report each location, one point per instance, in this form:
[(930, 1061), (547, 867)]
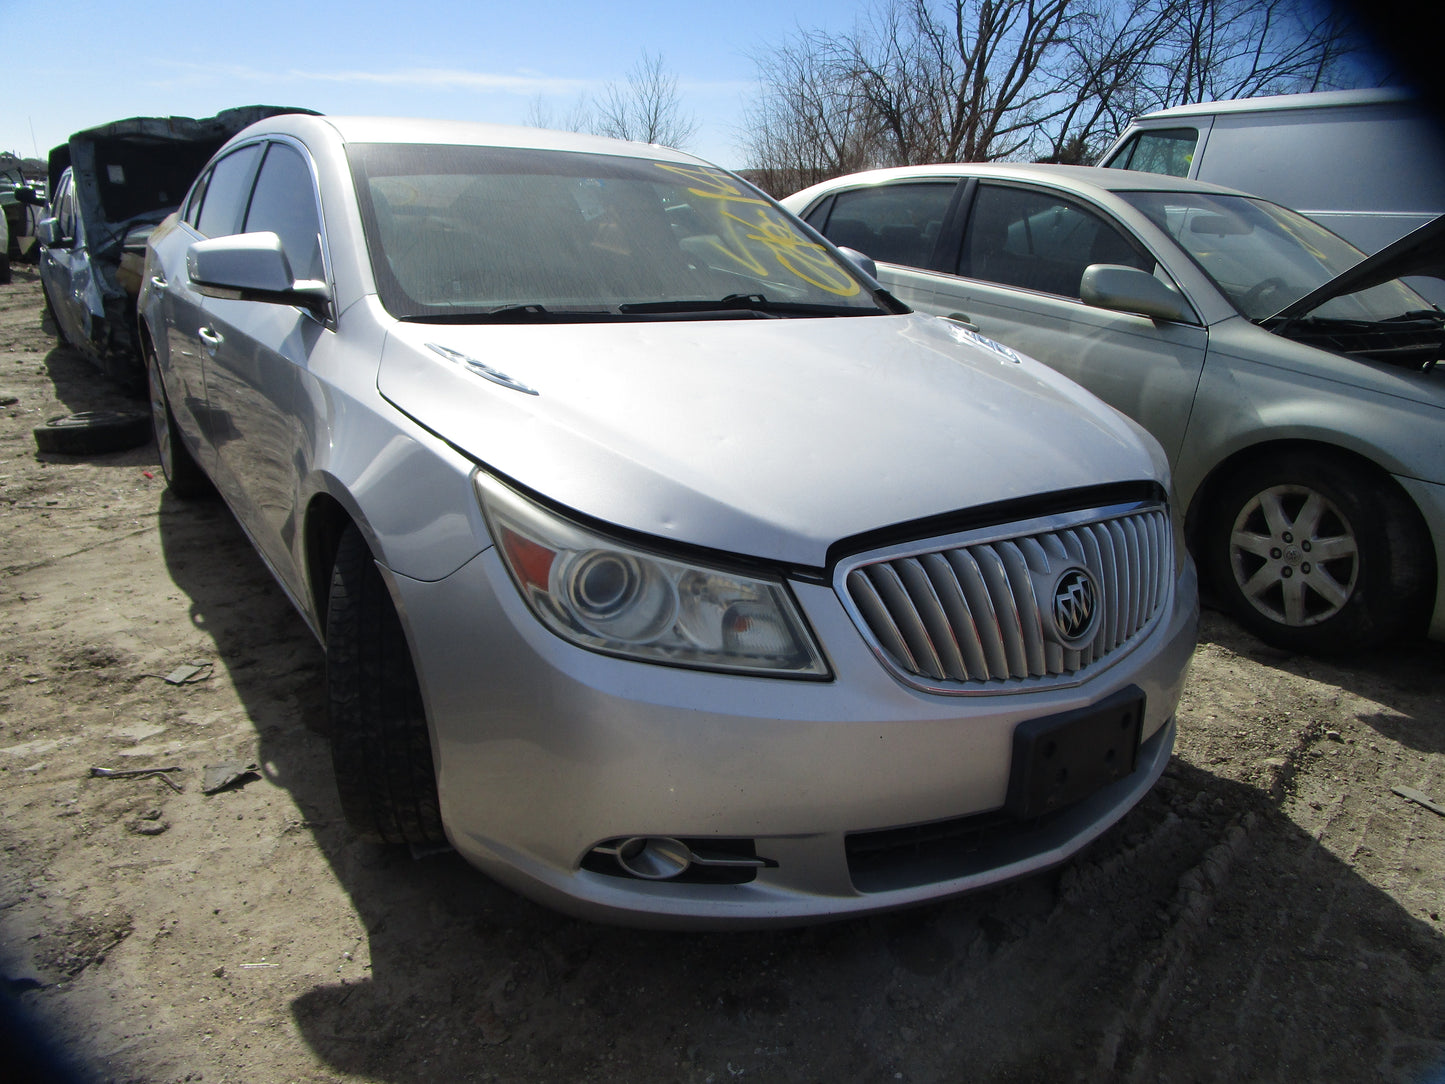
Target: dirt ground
[(1270, 912)]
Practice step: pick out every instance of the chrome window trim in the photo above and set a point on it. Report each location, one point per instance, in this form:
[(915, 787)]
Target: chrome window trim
[(326, 267)]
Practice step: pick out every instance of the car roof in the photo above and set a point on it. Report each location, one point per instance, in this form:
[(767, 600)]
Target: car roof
[(1272, 102), (1077, 178), (459, 133)]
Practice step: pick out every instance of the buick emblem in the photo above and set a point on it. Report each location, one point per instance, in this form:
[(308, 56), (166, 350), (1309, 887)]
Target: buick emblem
[(1075, 607)]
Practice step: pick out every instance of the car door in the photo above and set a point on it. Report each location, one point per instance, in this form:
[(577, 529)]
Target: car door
[(1011, 268), (257, 367), (64, 271), (214, 208)]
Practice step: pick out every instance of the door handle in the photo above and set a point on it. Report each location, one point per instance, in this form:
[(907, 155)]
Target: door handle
[(158, 282), (210, 338), (962, 321)]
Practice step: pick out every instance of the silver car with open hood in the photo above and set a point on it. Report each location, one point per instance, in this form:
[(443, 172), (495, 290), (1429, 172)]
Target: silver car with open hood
[(665, 566), (1293, 382)]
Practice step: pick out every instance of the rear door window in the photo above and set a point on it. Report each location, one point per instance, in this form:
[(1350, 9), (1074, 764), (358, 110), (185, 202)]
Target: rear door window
[(1159, 150), (895, 223)]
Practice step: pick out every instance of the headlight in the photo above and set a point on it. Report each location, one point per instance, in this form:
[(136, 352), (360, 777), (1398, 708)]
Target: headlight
[(611, 597)]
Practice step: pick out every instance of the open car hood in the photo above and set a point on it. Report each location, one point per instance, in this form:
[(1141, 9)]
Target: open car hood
[(136, 171), (1420, 252)]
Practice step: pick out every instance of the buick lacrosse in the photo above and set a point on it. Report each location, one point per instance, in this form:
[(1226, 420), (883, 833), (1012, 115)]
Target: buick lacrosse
[(666, 567)]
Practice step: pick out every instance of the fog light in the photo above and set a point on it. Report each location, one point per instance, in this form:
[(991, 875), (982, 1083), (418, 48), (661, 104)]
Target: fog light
[(709, 860), (654, 858)]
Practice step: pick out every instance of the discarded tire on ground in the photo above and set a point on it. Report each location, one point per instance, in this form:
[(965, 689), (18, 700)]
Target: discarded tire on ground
[(93, 432)]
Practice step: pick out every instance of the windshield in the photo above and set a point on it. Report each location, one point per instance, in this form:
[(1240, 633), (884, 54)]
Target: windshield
[(477, 233), (1264, 257)]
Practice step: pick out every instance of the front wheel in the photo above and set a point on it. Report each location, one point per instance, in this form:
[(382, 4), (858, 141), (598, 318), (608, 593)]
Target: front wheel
[(380, 745), (1314, 553)]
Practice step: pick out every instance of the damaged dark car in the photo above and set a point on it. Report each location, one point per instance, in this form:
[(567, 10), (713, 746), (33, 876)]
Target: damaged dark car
[(110, 186)]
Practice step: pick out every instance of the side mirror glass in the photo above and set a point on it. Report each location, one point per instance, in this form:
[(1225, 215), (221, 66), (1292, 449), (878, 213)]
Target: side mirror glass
[(253, 267), (1127, 289)]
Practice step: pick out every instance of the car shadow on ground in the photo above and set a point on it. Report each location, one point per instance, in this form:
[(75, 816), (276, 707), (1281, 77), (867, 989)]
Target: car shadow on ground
[(80, 384), (1207, 920), (1402, 678)]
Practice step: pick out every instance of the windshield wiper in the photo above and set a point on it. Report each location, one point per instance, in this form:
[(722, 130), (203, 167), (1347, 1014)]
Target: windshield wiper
[(518, 313), (756, 303), (1418, 317), (1416, 314), (1414, 339)]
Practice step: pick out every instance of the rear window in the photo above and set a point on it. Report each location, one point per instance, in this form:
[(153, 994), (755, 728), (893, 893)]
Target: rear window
[(895, 223), (1159, 150)]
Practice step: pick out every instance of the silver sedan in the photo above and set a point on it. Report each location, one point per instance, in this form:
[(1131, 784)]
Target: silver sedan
[(665, 566), (1293, 386)]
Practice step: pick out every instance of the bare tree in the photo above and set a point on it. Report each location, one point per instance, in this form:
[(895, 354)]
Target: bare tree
[(1212, 50), (1109, 51), (647, 109), (577, 118), (973, 80), (808, 124), (961, 81)]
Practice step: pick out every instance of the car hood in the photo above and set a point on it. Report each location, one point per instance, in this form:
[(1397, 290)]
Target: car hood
[(1419, 252), (768, 438)]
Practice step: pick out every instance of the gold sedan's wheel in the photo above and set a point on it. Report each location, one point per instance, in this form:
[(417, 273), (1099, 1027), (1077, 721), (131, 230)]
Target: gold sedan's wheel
[(1315, 551), (1294, 555)]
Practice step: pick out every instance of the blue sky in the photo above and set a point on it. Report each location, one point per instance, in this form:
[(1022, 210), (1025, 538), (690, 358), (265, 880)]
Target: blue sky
[(484, 61)]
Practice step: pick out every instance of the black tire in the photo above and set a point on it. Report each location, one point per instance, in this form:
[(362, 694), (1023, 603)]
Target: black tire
[(184, 476), (94, 432), (49, 322), (1316, 553), (380, 745), (4, 269)]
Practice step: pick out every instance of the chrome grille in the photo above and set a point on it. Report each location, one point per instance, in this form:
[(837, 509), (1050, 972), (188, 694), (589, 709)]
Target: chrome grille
[(974, 612)]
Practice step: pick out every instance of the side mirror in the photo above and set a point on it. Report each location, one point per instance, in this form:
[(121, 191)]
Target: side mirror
[(1127, 289), (28, 196), (861, 262), (253, 267), (47, 232)]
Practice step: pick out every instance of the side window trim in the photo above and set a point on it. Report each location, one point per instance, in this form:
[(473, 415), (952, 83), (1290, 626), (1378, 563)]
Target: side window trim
[(819, 213), (65, 213), (319, 203), (948, 248), (249, 185), (192, 212), (318, 207)]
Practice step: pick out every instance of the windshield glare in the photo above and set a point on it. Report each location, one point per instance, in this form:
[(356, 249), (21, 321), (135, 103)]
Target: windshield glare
[(1264, 257), (456, 230)]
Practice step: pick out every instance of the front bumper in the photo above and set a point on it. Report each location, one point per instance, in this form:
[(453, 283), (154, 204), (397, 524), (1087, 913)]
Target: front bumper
[(544, 750)]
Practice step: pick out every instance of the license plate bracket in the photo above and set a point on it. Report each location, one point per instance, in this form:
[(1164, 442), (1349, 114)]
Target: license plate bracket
[(1060, 759)]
